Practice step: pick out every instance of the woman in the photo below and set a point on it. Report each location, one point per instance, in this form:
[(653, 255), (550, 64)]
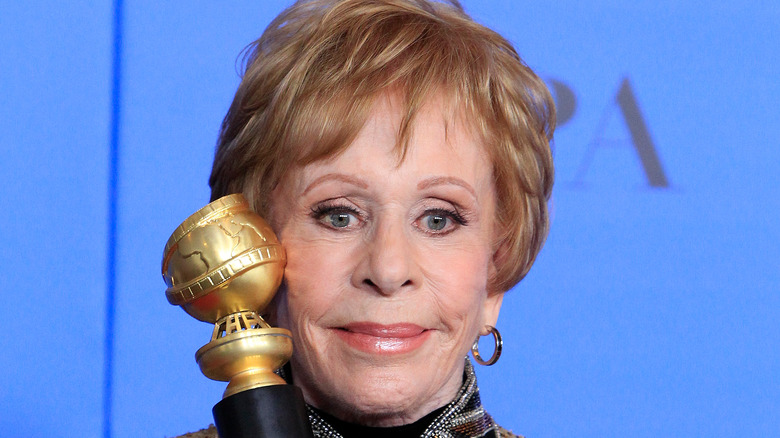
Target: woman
[(401, 153)]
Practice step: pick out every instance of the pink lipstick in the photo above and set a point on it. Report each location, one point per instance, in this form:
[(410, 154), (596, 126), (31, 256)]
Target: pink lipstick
[(383, 338)]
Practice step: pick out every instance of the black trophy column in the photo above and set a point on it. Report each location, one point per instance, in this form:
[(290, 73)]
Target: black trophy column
[(266, 412)]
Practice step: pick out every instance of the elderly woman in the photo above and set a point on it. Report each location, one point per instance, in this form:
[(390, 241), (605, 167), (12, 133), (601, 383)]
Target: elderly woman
[(401, 153)]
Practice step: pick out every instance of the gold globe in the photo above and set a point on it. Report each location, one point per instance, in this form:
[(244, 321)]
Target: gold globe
[(223, 259), (223, 265)]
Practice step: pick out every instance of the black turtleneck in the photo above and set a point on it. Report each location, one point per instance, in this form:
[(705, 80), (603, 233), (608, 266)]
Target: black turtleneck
[(351, 430)]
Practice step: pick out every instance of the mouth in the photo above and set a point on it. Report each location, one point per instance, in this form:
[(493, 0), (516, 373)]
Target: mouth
[(383, 339)]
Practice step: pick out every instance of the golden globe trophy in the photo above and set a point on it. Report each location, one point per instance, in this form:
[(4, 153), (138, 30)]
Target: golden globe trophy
[(222, 266)]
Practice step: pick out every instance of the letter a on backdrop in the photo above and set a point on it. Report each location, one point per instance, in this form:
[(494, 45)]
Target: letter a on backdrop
[(640, 139)]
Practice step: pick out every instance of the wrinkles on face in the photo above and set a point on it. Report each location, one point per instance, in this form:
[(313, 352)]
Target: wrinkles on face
[(385, 285)]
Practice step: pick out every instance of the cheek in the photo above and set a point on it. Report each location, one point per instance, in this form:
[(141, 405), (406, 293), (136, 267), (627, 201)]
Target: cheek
[(460, 280), (314, 276), (464, 262)]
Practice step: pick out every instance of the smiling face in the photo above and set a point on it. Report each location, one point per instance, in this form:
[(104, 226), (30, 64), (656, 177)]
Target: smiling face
[(388, 264)]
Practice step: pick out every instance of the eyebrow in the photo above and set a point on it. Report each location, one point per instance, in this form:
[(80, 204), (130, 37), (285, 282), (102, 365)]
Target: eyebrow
[(446, 180), (336, 177)]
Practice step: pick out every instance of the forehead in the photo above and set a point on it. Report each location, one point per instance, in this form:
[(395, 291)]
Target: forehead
[(442, 159), (438, 141)]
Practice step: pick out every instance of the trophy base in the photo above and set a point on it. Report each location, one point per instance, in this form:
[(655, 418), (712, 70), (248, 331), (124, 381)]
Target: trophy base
[(247, 359), (265, 412)]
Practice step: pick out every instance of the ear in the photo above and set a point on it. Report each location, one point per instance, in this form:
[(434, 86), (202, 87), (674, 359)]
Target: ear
[(499, 259), (277, 306), (492, 304), (492, 307)]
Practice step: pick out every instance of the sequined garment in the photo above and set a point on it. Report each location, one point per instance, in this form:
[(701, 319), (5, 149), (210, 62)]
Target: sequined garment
[(464, 417)]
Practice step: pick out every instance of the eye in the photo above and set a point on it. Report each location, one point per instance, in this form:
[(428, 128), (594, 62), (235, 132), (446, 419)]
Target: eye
[(338, 220), (336, 216), (436, 222), (440, 221)]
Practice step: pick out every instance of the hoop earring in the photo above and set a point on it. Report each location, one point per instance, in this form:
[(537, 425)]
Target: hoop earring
[(496, 352)]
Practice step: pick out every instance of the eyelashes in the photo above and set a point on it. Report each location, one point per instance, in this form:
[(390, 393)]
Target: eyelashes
[(336, 215), (342, 216), (453, 214), (440, 221)]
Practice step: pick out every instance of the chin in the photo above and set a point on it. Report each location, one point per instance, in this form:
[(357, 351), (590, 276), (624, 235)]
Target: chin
[(380, 399), (383, 393)]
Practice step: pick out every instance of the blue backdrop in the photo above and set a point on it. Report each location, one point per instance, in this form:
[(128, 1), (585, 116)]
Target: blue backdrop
[(652, 311)]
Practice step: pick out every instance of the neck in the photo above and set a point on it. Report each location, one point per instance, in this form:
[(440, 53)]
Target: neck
[(349, 430)]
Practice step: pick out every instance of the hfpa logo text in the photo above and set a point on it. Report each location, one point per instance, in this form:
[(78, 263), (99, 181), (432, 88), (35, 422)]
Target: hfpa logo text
[(625, 104)]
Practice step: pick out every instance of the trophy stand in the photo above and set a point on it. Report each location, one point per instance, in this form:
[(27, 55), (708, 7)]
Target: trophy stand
[(222, 266)]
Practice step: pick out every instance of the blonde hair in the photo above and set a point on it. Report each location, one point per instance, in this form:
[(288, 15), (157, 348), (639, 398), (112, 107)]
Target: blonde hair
[(309, 84)]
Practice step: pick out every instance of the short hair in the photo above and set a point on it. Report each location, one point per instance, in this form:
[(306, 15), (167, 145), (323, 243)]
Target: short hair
[(308, 86)]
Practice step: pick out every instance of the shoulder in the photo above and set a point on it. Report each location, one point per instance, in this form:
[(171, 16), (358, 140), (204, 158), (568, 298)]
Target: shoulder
[(209, 432), (503, 433)]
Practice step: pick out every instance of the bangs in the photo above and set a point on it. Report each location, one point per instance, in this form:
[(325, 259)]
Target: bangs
[(356, 55), (313, 77)]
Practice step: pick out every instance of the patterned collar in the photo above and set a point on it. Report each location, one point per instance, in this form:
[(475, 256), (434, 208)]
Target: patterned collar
[(464, 417)]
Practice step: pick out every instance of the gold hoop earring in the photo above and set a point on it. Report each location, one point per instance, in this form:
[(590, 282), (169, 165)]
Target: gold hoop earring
[(499, 344)]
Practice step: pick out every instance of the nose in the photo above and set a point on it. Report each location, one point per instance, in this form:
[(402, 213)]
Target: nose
[(388, 266)]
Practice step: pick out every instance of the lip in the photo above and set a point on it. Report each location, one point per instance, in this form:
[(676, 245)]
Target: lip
[(383, 339)]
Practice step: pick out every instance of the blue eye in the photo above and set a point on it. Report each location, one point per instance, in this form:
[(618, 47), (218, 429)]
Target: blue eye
[(440, 221), (436, 222), (336, 216), (339, 220)]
